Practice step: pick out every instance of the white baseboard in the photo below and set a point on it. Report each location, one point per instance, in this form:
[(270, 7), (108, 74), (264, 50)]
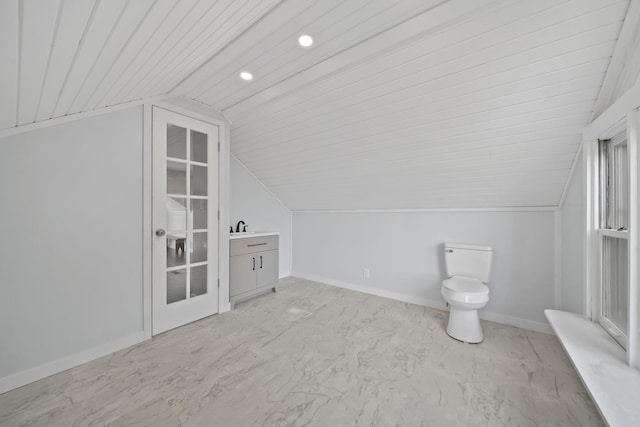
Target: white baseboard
[(440, 305), (518, 322), (283, 275), (36, 373)]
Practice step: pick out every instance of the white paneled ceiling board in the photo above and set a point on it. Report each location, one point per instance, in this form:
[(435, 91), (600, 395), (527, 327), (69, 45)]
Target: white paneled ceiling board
[(416, 106), (38, 32), (398, 104), (70, 30), (624, 70), (9, 80), (205, 36), (62, 57), (270, 50)]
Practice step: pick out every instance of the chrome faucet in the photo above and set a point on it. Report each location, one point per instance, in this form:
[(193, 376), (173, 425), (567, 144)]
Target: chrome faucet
[(238, 226)]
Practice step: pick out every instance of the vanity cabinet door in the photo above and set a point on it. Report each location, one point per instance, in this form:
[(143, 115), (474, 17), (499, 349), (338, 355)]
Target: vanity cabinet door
[(242, 273), (267, 262)]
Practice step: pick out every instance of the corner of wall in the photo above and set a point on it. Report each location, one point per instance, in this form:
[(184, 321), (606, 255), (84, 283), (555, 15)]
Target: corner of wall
[(266, 209), (425, 302), (191, 106), (572, 171), (259, 181), (557, 259)]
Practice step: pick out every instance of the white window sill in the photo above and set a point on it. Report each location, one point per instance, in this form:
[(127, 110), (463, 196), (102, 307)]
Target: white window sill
[(601, 364)]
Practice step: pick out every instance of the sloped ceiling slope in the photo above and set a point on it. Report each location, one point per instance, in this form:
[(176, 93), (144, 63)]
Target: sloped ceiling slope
[(414, 104), (399, 104), (61, 57)]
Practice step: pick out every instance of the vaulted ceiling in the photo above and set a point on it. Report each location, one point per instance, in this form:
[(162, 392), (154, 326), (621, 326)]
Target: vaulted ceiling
[(404, 104)]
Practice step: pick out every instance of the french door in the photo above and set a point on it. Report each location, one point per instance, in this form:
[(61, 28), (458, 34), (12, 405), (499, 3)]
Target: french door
[(185, 220)]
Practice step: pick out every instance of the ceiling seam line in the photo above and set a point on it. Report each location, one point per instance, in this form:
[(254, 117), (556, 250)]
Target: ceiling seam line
[(279, 4), (618, 58), (51, 47), (135, 75), (357, 65), (245, 51), (76, 54), (336, 54), (120, 52), (457, 151), (99, 55), (477, 132), (260, 182), (456, 43), (154, 81), (536, 142), (481, 64), (20, 29), (440, 121), (98, 101), (303, 122), (485, 32)]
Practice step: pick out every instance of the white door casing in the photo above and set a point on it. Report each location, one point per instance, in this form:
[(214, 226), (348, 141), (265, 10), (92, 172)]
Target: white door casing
[(185, 220)]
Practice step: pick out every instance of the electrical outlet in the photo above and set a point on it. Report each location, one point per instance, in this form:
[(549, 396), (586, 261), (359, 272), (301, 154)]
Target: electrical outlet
[(366, 273)]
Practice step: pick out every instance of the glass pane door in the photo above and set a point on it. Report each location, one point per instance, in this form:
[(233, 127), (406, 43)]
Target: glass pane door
[(187, 201), (185, 225)]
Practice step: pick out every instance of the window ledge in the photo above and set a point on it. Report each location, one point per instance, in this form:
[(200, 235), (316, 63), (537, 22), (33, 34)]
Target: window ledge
[(601, 364)]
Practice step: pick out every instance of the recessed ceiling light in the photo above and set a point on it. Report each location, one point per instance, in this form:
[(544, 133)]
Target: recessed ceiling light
[(245, 75), (305, 40)]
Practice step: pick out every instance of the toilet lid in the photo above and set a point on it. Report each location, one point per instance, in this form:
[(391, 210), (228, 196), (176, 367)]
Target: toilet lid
[(466, 285)]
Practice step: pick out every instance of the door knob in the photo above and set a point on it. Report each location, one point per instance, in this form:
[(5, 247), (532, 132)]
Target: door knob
[(160, 232)]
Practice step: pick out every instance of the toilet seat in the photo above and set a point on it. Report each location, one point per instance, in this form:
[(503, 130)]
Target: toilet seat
[(465, 290)]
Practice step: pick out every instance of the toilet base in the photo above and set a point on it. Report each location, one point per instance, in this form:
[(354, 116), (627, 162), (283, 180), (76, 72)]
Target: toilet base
[(464, 325)]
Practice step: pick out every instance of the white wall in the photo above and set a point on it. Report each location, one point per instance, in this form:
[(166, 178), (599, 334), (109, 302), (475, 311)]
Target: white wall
[(260, 209), (404, 253), (71, 227), (572, 232)]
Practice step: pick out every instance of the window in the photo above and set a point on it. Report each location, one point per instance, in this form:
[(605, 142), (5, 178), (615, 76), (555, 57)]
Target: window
[(614, 177), (613, 231), (612, 222)]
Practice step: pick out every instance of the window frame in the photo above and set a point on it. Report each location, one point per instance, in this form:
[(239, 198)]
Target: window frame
[(618, 334), (613, 179), (607, 127)]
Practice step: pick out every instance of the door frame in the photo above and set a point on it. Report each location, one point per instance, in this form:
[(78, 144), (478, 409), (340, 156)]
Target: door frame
[(211, 116)]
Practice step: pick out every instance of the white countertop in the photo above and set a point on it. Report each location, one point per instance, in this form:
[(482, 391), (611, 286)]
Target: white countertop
[(600, 362), (246, 234)]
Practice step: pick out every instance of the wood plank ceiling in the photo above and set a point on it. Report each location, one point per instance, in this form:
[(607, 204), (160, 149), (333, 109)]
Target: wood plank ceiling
[(398, 104), (466, 105), (61, 57)]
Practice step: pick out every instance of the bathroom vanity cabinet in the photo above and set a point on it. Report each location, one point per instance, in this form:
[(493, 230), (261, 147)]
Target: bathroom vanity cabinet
[(253, 264)]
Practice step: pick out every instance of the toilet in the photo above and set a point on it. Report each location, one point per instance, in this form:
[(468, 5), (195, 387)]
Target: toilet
[(468, 269)]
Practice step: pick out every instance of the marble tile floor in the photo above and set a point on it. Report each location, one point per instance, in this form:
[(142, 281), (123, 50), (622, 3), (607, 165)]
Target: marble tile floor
[(357, 360)]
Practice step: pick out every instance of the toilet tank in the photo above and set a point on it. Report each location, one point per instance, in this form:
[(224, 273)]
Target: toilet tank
[(468, 260)]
